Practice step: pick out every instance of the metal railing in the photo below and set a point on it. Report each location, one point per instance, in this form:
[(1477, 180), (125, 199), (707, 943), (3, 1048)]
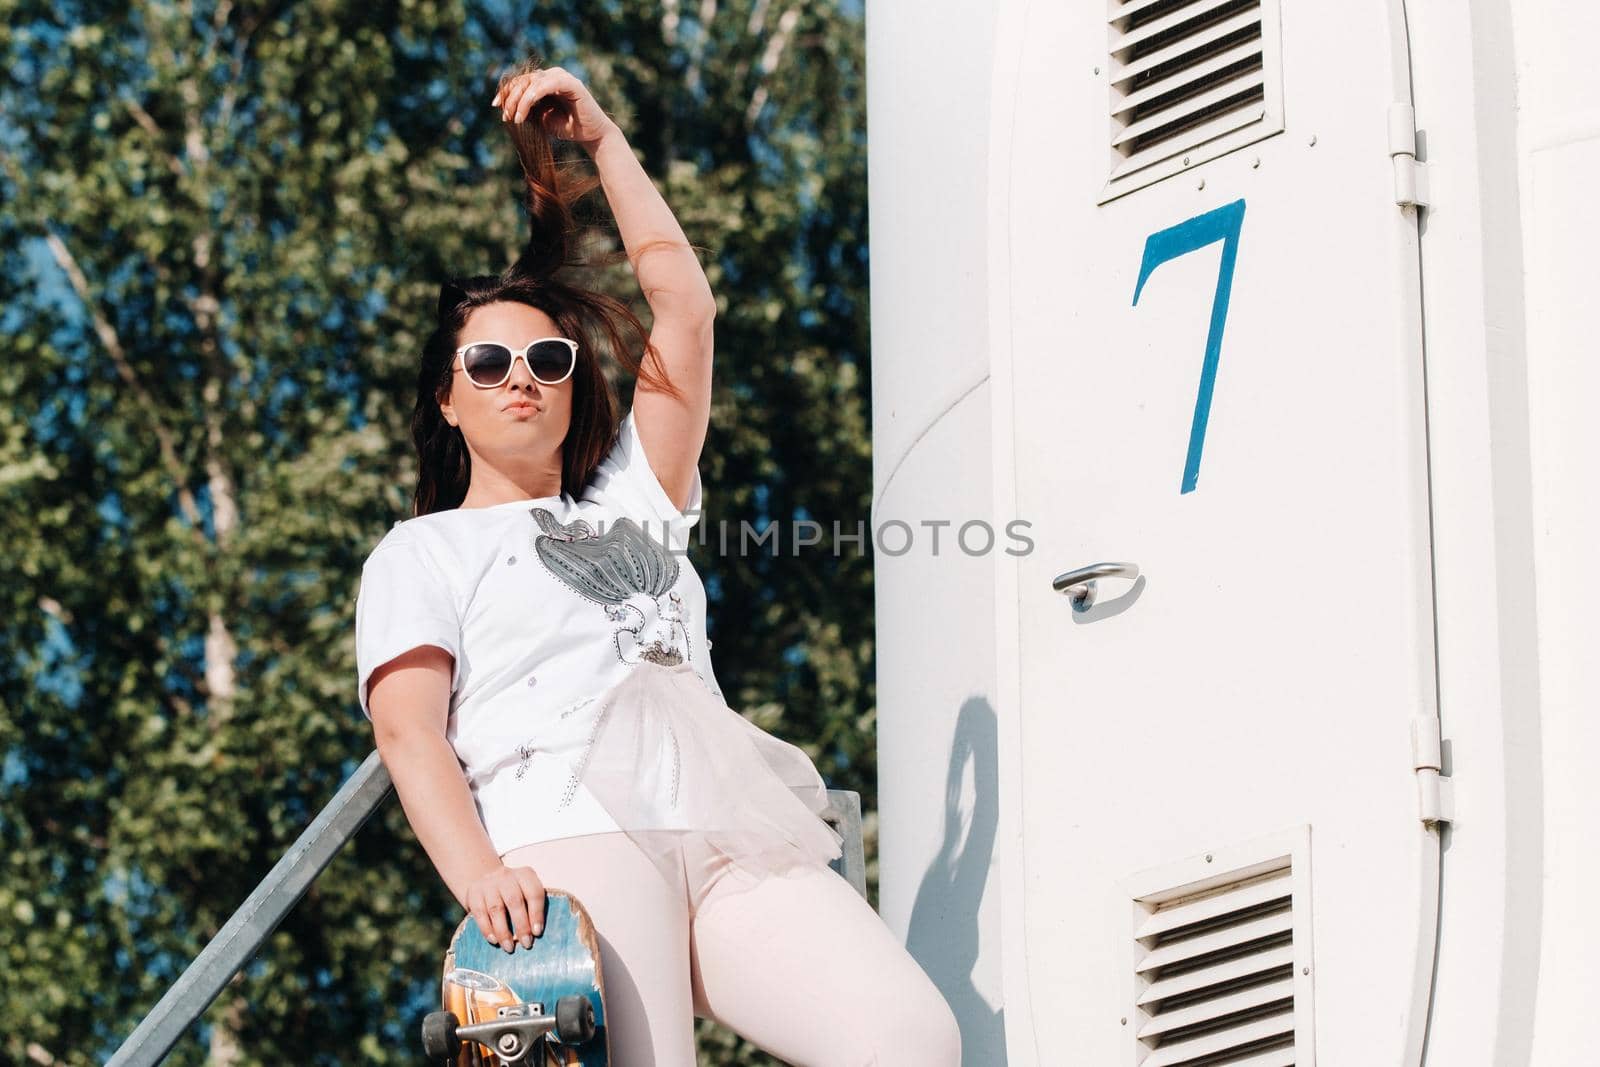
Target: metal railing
[(242, 936)]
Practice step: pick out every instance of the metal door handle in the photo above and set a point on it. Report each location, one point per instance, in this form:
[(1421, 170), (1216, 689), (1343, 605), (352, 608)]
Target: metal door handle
[(1079, 585)]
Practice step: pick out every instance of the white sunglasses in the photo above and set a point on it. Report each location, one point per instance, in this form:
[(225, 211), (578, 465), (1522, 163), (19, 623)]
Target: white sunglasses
[(488, 363)]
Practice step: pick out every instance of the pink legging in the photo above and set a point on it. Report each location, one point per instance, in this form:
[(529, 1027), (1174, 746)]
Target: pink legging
[(799, 964)]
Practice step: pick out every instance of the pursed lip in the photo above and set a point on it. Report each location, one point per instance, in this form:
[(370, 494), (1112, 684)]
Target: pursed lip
[(519, 405)]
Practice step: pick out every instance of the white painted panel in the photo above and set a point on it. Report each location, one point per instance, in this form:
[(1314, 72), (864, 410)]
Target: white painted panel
[(1266, 673), (1487, 967), (1564, 382), (927, 109), (937, 745), (938, 865), (1506, 95)]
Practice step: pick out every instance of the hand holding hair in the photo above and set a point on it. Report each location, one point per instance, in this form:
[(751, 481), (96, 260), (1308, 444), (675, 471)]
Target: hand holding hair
[(571, 113)]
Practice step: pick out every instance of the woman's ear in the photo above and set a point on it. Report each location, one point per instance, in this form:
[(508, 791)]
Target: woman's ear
[(448, 411)]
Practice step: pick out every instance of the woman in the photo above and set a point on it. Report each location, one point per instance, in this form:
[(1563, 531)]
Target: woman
[(531, 651)]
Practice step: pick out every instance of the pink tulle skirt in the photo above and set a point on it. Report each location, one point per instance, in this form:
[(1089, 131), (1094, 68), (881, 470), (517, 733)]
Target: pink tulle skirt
[(700, 788)]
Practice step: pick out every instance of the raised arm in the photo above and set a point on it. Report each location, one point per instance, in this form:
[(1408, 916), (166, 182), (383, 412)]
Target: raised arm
[(673, 431)]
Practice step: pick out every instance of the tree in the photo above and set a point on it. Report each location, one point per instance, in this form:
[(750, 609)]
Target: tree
[(224, 228)]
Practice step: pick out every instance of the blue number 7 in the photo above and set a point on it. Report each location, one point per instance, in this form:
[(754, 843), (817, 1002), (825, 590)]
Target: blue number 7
[(1220, 225)]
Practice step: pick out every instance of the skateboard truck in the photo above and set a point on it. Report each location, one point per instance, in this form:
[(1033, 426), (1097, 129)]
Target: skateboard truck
[(516, 1030), (496, 1004)]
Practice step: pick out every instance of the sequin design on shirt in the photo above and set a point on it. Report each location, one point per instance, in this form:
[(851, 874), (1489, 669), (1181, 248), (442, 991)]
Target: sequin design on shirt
[(615, 570), (527, 749)]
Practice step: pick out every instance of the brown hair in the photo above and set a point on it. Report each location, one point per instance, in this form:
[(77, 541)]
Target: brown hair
[(552, 191)]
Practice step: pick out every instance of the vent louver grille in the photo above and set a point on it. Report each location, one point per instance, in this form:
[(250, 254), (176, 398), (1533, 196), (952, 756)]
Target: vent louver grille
[(1190, 79), (1222, 965)]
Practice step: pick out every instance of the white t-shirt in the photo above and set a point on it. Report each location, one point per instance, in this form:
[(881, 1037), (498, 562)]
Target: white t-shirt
[(545, 604)]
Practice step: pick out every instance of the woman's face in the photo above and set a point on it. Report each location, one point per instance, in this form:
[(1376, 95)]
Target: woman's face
[(517, 427)]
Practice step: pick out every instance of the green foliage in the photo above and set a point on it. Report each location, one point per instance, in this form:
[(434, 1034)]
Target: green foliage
[(224, 227)]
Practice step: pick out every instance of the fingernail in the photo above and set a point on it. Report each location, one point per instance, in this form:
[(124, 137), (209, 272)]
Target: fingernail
[(538, 928), (527, 941), (506, 945)]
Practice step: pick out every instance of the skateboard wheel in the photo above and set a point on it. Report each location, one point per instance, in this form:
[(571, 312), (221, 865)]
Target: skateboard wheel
[(439, 1041), (574, 1020)]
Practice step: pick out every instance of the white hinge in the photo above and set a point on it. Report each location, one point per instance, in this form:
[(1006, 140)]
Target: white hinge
[(1410, 176), (1435, 793)]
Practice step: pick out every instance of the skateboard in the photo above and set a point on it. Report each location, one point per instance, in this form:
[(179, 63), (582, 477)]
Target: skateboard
[(542, 1006)]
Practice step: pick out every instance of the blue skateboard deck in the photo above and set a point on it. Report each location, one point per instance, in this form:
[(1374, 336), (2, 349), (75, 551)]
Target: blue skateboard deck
[(481, 978)]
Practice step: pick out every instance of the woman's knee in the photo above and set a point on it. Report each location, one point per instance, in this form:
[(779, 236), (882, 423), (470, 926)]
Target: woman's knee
[(820, 944), (922, 1030), (905, 1020), (915, 1026)]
